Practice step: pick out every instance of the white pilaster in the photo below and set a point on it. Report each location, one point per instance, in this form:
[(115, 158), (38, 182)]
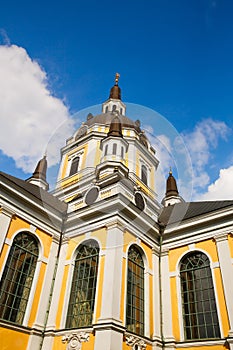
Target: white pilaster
[(106, 339), (227, 274), (111, 292), (109, 330), (166, 298), (34, 342), (46, 290), (156, 295), (51, 324), (5, 220)]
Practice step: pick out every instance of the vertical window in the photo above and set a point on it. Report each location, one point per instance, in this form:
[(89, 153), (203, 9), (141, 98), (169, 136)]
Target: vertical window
[(106, 150), (122, 152), (114, 148), (144, 174), (74, 166), (135, 292), (106, 109), (199, 306), (82, 295), (17, 277)]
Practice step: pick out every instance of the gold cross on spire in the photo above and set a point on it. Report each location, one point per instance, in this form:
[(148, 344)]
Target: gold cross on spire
[(117, 76)]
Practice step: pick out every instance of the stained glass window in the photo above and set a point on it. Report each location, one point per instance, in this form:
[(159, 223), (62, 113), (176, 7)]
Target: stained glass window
[(198, 299), (17, 277), (135, 292), (83, 288)]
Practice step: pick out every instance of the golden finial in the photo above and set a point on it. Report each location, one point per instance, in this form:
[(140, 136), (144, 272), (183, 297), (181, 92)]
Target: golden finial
[(117, 76), (170, 172)]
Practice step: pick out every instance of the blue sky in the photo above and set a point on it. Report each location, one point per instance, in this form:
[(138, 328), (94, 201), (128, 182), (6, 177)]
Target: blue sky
[(174, 57)]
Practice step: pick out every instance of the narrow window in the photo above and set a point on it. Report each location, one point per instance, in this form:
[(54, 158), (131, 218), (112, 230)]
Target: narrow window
[(135, 292), (106, 109), (74, 166), (17, 277), (144, 174), (106, 150), (199, 306), (82, 295), (122, 152), (114, 148)]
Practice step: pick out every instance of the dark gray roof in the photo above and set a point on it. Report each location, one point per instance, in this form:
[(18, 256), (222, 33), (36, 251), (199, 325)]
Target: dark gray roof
[(184, 211), (106, 118), (40, 194)]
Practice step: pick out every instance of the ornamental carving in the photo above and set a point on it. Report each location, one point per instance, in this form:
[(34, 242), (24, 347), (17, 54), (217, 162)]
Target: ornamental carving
[(74, 340), (135, 343)]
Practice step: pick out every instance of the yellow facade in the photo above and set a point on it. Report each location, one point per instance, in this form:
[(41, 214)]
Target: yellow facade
[(127, 294)]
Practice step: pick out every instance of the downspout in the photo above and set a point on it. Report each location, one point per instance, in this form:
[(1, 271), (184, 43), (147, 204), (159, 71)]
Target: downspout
[(53, 282), (161, 231)]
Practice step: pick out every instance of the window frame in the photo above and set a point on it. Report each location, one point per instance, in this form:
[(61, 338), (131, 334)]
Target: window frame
[(21, 274), (144, 310), (66, 315), (215, 310)]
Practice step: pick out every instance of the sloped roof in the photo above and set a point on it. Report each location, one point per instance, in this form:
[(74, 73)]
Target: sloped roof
[(39, 193), (183, 211)]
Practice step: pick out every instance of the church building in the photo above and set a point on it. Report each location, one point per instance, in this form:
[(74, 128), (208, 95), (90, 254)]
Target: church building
[(99, 263)]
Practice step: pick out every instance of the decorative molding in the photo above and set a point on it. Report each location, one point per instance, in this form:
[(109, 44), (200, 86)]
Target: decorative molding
[(7, 211), (135, 343), (156, 250), (215, 264), (74, 341), (33, 228), (8, 241), (222, 236), (165, 251)]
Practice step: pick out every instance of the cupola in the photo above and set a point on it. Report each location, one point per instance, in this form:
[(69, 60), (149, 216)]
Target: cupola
[(114, 103), (172, 195), (39, 176)]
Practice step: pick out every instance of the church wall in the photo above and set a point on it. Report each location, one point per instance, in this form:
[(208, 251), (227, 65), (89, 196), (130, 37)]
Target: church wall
[(13, 339)]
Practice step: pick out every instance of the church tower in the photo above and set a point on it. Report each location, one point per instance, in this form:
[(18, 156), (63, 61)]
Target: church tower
[(107, 177)]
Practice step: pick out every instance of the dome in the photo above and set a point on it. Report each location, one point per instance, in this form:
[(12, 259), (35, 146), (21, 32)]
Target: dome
[(106, 119)]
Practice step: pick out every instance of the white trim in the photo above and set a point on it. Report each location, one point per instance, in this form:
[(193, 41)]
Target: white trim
[(226, 269)]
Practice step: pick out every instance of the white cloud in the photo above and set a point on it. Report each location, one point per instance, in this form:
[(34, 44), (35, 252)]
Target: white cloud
[(200, 143), (222, 188), (29, 113)]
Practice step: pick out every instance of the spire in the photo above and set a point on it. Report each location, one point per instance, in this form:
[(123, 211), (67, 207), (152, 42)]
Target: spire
[(41, 169), (115, 92), (171, 188), (39, 176), (172, 195), (115, 128)]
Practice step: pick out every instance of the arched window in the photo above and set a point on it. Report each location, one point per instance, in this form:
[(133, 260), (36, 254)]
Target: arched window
[(17, 277), (74, 166), (83, 288), (198, 299), (144, 174), (114, 148), (135, 292)]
